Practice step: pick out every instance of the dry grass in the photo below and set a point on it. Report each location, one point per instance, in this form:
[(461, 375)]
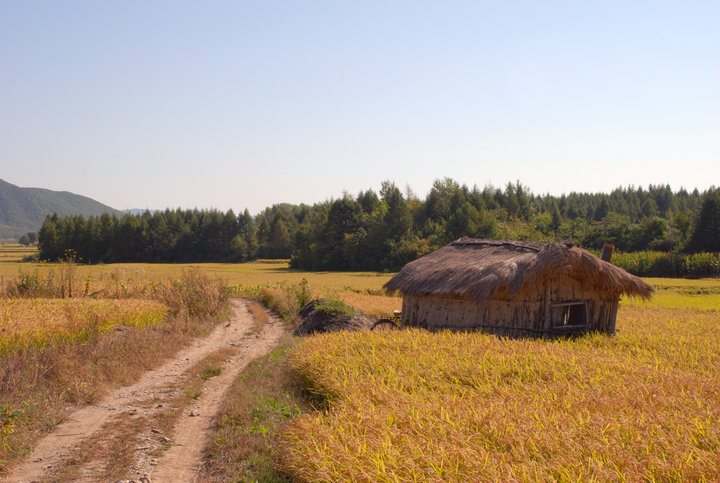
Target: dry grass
[(41, 386), (260, 316), (641, 405), (412, 405), (62, 352)]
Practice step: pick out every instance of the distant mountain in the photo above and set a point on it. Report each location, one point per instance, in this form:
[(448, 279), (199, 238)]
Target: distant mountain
[(24, 209)]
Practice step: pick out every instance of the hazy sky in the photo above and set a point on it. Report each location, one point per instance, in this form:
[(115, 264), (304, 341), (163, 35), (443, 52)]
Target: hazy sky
[(234, 104)]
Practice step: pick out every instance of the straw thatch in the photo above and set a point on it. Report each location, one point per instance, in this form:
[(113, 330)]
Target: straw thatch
[(477, 269), (513, 288)]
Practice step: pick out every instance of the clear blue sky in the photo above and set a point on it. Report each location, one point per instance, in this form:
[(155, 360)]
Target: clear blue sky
[(234, 104)]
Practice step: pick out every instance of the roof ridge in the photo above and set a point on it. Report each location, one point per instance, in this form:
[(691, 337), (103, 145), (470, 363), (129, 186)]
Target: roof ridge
[(466, 241)]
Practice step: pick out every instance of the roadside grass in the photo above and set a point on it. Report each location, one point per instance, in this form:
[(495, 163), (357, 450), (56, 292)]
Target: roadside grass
[(640, 405), (260, 403), (43, 385), (412, 405), (59, 353)]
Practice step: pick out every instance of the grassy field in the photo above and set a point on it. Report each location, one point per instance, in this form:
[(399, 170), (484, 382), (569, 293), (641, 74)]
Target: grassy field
[(412, 405), (682, 293), (359, 289), (254, 273), (58, 351), (35, 322)]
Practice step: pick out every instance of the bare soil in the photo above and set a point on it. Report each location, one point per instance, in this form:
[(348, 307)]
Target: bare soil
[(148, 431)]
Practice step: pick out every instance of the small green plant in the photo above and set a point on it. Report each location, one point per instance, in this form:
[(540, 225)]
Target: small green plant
[(210, 370), (7, 424), (303, 293), (28, 283), (333, 307)]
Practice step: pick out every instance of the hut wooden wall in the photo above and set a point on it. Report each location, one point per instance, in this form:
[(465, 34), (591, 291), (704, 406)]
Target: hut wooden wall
[(526, 313), (438, 313)]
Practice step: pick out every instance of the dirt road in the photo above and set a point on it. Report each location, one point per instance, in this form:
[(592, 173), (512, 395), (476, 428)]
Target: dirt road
[(154, 455)]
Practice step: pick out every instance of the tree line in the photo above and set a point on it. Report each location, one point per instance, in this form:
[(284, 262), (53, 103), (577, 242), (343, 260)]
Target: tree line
[(386, 229)]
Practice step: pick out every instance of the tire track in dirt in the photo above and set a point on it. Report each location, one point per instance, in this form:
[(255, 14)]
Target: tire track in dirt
[(182, 461)]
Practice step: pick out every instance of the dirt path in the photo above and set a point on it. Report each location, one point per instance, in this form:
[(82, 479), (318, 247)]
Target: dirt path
[(137, 403)]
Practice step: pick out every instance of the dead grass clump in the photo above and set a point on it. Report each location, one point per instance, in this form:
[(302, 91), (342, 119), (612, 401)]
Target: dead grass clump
[(59, 280), (260, 403), (194, 295), (283, 298)]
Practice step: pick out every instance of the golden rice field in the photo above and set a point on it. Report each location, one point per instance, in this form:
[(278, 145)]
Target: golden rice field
[(35, 322), (135, 275), (375, 306), (411, 405), (13, 252), (133, 278)]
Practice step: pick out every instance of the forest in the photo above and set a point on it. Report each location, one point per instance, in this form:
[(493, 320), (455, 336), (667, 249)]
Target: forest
[(384, 230)]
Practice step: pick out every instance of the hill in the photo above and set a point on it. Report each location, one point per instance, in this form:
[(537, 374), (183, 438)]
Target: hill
[(24, 209)]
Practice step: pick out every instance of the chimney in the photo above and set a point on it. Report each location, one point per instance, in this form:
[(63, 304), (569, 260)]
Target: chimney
[(607, 252)]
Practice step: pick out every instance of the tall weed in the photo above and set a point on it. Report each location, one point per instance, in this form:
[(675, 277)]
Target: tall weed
[(194, 295)]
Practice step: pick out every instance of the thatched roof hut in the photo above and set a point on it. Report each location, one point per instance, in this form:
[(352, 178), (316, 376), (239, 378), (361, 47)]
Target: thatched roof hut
[(513, 288)]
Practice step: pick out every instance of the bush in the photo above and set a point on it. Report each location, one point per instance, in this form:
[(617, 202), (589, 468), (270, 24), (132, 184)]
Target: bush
[(334, 307), (676, 265)]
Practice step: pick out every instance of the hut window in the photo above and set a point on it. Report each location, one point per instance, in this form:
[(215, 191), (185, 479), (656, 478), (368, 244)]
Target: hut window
[(569, 314)]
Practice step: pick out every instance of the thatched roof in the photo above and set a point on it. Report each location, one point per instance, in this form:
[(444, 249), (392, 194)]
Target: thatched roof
[(477, 269)]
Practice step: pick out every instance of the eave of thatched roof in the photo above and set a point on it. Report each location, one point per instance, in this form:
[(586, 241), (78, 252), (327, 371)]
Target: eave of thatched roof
[(477, 269)]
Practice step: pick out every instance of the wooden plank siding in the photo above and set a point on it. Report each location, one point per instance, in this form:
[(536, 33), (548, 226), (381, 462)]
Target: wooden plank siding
[(526, 313)]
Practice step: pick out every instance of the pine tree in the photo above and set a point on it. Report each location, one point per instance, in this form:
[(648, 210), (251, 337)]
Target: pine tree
[(706, 235)]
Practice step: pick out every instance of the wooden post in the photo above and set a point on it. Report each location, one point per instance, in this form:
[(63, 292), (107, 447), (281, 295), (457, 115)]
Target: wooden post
[(607, 252)]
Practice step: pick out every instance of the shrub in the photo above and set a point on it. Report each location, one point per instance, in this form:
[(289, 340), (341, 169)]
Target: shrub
[(333, 307), (660, 264)]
